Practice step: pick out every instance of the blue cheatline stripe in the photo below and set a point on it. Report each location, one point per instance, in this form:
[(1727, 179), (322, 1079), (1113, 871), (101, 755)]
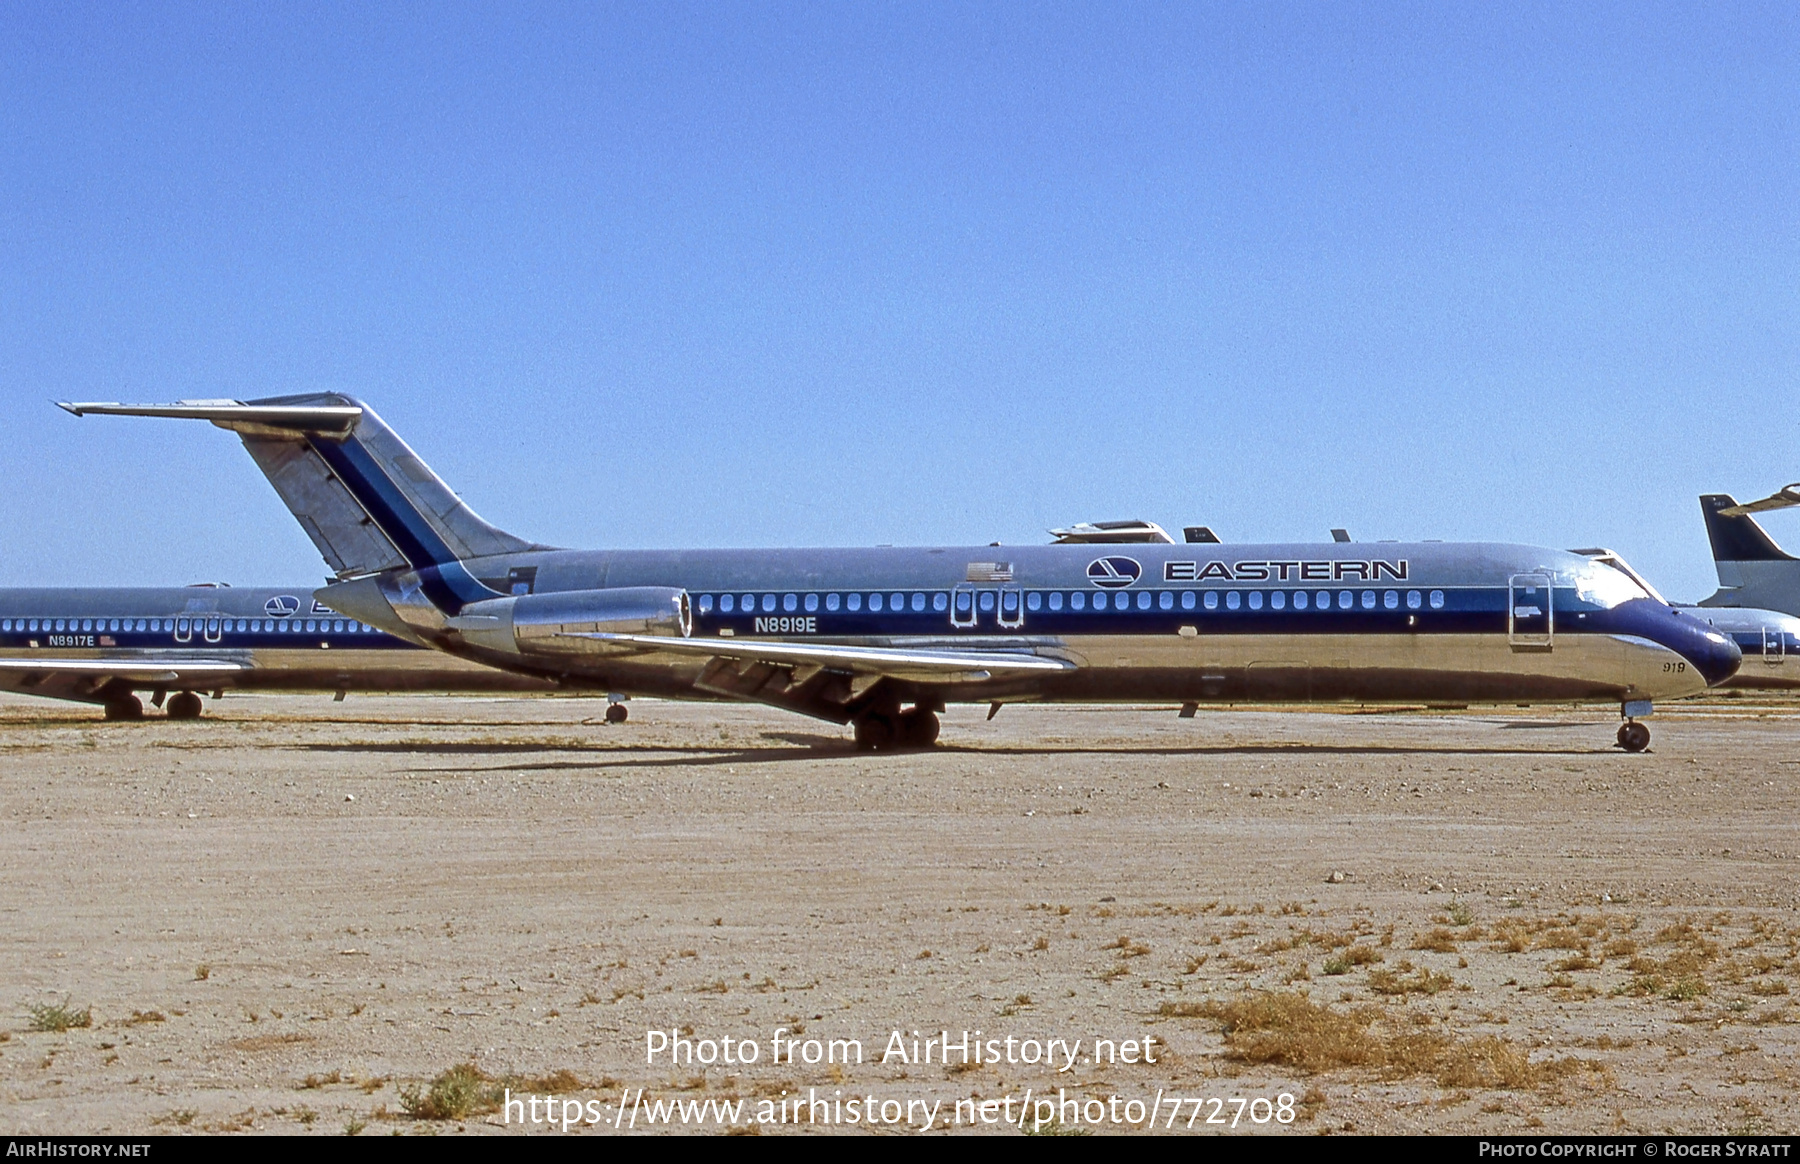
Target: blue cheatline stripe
[(446, 582)]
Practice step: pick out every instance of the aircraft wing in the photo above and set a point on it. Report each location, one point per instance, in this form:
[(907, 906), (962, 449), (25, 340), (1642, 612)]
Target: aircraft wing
[(1786, 498), (135, 669), (80, 678), (922, 664)]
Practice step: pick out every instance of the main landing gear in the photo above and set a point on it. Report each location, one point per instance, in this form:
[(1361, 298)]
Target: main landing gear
[(127, 706), (617, 713), (183, 705), (889, 731), (1634, 736)]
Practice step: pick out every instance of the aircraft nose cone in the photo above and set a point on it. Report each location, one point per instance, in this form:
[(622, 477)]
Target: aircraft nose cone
[(1712, 654)]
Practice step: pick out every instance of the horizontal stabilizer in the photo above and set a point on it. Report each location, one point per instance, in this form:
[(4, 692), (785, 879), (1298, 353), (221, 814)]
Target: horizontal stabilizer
[(922, 664), (364, 498), (234, 414), (1786, 497)]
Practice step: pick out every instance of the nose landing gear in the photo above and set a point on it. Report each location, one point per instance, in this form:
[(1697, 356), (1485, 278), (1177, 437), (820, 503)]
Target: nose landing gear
[(1634, 736)]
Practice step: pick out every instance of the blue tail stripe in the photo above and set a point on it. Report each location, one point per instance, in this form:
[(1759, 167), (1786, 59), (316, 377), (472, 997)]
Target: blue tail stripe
[(447, 583)]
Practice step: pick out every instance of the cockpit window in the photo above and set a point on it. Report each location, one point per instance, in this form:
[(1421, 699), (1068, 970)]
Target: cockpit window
[(1606, 586)]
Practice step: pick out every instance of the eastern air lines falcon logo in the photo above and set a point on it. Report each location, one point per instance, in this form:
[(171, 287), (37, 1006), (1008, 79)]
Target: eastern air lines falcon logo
[(1113, 573)]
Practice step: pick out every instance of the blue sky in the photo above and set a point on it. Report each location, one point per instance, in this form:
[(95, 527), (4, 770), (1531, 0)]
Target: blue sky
[(741, 275)]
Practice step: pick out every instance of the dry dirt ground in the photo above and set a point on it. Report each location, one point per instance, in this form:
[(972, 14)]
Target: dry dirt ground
[(294, 915)]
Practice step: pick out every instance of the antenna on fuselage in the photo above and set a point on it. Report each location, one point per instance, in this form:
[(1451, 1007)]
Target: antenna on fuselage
[(1340, 535)]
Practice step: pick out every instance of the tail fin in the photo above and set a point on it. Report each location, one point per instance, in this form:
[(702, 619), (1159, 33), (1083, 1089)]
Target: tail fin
[(367, 501), (1737, 539)]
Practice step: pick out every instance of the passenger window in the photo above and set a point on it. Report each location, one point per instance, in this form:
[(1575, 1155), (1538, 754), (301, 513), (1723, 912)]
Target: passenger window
[(831, 602), (918, 603), (5, 624), (706, 604), (1077, 600), (812, 603), (337, 626), (1056, 600), (181, 626), (1143, 600), (940, 602), (1187, 600), (1368, 600), (768, 604), (87, 624), (1278, 600), (1437, 600), (1009, 602), (312, 626), (1165, 600), (242, 625), (1413, 600), (896, 602), (727, 603), (790, 602), (853, 601), (1299, 600), (986, 601), (1256, 600), (1033, 600), (1346, 600), (1391, 600), (1233, 600), (1212, 600), (874, 602)]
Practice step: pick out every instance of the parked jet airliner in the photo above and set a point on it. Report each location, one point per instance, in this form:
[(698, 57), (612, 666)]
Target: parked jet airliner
[(105, 645), (883, 638)]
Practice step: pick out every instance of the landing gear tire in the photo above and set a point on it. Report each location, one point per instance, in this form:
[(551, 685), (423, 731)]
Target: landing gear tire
[(1634, 737), (125, 707), (617, 713), (918, 728), (184, 705), (875, 733)]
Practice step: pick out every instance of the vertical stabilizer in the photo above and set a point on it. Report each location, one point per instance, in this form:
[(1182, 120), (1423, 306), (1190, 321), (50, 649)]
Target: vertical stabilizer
[(366, 499), (1753, 571)]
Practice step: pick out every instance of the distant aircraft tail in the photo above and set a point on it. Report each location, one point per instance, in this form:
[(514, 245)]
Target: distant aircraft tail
[(1753, 570), (1737, 539), (367, 501)]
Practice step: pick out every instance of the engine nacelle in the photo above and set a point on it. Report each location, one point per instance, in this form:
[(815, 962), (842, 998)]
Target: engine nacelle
[(550, 624)]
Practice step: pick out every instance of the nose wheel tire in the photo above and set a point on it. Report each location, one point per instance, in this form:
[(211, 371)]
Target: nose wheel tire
[(617, 713), (125, 707), (1634, 737), (184, 705)]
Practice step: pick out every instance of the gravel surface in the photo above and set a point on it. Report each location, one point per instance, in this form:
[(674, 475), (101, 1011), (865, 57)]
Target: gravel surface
[(295, 915)]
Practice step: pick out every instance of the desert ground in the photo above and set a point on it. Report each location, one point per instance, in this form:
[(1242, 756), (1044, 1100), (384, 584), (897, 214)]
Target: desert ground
[(380, 915)]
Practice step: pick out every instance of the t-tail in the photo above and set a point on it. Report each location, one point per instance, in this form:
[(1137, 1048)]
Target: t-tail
[(1753, 571), (371, 506)]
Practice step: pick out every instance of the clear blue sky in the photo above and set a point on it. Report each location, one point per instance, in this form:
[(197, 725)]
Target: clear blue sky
[(740, 275)]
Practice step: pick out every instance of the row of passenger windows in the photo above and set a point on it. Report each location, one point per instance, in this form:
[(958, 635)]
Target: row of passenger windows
[(284, 626), (1079, 600)]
